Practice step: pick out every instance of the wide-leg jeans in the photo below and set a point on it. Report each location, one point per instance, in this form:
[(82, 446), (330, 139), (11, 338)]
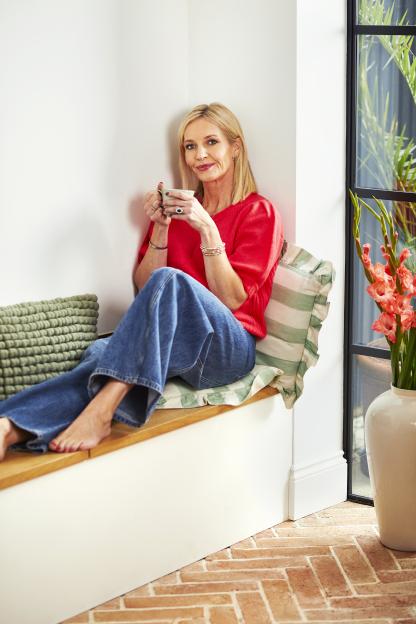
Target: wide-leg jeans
[(174, 327)]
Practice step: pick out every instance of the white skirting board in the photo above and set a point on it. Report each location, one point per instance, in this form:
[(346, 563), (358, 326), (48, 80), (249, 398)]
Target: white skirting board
[(316, 486), (75, 538)]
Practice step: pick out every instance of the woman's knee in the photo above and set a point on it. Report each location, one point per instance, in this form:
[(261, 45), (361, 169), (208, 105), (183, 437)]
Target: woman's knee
[(166, 274)]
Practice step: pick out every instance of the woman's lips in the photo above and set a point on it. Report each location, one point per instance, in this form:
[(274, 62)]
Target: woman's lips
[(204, 167)]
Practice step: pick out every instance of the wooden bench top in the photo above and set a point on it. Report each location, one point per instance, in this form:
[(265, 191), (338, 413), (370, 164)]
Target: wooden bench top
[(20, 466)]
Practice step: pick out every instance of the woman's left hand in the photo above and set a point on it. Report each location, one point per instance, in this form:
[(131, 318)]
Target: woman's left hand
[(193, 212)]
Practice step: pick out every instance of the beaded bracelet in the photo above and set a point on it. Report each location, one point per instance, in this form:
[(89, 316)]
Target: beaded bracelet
[(153, 246), (213, 251)]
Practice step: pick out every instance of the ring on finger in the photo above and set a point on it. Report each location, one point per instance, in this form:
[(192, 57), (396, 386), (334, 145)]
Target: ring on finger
[(179, 210)]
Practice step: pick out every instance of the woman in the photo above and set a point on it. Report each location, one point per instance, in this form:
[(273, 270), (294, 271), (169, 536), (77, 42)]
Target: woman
[(204, 277)]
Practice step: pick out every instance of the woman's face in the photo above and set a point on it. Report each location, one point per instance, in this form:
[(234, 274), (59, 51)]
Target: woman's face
[(205, 144)]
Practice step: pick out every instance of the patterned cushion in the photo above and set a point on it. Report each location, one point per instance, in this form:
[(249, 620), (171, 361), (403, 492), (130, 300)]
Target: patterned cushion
[(178, 393), (42, 339), (294, 317)]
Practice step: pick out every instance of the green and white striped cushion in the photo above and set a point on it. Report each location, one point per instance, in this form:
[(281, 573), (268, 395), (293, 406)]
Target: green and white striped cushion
[(294, 317)]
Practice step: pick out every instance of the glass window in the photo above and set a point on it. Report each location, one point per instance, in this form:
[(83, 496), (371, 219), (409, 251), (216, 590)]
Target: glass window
[(387, 12), (381, 161), (386, 125)]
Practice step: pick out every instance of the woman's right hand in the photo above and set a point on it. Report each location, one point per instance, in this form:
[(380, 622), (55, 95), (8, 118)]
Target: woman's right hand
[(153, 207)]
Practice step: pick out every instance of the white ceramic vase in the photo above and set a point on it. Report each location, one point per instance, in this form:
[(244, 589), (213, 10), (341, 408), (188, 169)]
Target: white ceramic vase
[(390, 440)]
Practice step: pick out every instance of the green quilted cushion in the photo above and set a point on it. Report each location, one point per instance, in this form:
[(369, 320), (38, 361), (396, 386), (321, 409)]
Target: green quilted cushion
[(42, 339)]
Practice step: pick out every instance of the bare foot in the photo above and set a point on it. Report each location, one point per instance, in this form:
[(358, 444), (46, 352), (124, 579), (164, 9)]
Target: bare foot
[(10, 434), (94, 422), (91, 426)]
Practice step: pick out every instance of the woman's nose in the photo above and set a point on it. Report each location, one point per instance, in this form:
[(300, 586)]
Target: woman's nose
[(201, 152)]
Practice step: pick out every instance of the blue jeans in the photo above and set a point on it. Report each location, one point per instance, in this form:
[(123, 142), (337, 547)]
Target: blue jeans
[(174, 327)]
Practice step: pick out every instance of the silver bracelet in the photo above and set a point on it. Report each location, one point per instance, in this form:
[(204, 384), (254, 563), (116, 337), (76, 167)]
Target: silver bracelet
[(213, 251)]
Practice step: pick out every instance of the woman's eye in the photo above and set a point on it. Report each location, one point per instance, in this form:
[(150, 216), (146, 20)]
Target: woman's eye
[(191, 145)]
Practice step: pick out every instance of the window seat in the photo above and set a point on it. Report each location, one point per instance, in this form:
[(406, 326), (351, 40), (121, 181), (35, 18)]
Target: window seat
[(76, 538), (21, 466)]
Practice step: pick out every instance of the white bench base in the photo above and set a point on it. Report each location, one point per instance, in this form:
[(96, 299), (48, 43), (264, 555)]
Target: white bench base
[(75, 538)]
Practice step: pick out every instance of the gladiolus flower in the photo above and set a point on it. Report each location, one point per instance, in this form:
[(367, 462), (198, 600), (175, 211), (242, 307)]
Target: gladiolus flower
[(404, 255), (402, 304), (408, 319), (366, 260), (379, 272), (382, 292), (405, 276), (386, 324)]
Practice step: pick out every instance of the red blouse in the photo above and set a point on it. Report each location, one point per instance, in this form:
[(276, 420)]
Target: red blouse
[(253, 235)]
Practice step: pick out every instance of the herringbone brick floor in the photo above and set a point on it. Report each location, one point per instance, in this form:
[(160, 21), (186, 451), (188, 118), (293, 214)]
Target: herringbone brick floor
[(326, 567)]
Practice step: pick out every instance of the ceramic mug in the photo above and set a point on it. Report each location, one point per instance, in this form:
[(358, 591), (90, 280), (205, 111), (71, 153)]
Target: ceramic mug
[(172, 190)]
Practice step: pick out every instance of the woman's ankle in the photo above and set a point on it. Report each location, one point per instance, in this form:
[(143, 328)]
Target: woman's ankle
[(111, 394), (13, 433)]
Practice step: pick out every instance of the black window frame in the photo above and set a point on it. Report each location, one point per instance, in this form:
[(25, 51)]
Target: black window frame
[(350, 348)]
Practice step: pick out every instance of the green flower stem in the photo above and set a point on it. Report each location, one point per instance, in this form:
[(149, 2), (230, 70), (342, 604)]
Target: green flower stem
[(405, 379)]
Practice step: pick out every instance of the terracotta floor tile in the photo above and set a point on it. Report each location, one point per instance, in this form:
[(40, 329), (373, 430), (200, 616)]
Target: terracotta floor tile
[(175, 600), (197, 588), (223, 554), (317, 540), (281, 600), (396, 575), (354, 565), (351, 615), (222, 615), (358, 529), (255, 553), (142, 615), (380, 557), (257, 563), (403, 587), (340, 520), (402, 554), (408, 564), (253, 608), (330, 576), (362, 602), (306, 588), (232, 575)]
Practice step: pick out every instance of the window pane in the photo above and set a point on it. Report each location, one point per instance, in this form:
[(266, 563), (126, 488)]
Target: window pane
[(370, 377), (386, 112), (364, 309), (394, 12)]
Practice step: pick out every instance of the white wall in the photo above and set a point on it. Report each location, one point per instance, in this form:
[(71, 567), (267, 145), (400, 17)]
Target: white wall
[(90, 91), (239, 55), (319, 471)]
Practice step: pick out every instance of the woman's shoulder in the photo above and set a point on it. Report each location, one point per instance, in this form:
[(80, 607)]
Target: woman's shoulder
[(255, 202)]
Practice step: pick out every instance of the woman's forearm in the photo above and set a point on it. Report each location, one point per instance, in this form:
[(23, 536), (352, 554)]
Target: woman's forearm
[(153, 258), (222, 280)]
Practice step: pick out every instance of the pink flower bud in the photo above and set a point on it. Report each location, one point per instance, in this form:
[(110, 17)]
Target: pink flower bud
[(404, 255)]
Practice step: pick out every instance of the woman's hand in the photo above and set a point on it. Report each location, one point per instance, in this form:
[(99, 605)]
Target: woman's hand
[(193, 212), (153, 207)]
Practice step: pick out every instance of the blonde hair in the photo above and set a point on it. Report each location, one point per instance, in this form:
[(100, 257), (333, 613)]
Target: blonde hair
[(223, 118)]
